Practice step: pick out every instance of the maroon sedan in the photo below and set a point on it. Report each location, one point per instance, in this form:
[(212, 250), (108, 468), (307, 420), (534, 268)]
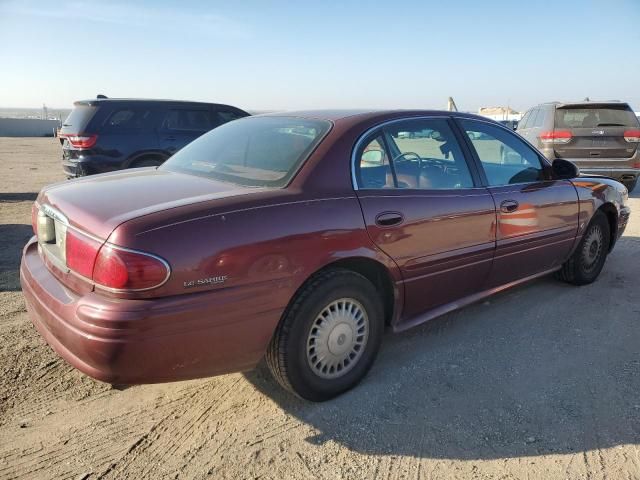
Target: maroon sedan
[(299, 237)]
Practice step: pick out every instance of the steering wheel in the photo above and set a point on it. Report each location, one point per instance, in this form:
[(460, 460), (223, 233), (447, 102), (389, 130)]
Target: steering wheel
[(398, 157)]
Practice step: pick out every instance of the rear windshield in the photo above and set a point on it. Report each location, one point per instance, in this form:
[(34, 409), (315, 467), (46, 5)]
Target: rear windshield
[(590, 117), (254, 151), (78, 119)]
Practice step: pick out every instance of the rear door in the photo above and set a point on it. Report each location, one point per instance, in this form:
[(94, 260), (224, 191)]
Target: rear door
[(182, 125), (594, 134), (537, 216), (424, 208)]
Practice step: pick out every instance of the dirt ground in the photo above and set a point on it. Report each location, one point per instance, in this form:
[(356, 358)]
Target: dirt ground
[(542, 381)]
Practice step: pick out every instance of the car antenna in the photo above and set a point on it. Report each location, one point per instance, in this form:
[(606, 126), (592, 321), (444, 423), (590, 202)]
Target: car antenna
[(101, 96)]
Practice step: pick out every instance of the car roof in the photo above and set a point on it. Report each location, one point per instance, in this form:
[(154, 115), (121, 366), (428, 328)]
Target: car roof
[(587, 103), (338, 115), (97, 101)]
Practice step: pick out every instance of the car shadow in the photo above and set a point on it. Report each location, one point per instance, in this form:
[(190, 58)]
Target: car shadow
[(13, 238), (541, 369), (18, 197)]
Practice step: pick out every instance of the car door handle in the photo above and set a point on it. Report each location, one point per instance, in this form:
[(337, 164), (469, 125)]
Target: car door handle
[(170, 139), (508, 206), (389, 219)]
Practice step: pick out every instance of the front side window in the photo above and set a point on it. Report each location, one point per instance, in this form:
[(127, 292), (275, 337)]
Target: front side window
[(418, 154), (505, 158), (254, 151)]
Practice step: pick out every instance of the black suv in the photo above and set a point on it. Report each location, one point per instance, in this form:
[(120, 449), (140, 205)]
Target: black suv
[(600, 137), (107, 134)]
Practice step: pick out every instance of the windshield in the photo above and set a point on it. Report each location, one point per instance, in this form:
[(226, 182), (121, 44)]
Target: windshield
[(253, 151), (590, 117)]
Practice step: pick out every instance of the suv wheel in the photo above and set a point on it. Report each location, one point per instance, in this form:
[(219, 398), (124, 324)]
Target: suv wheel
[(587, 261), (328, 337)]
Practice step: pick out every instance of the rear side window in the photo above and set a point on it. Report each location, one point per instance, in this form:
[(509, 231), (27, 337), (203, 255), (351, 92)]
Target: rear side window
[(183, 119), (591, 117), (129, 119), (540, 118), (78, 119)]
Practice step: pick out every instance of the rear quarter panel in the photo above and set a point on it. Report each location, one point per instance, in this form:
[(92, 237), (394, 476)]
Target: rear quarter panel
[(275, 242)]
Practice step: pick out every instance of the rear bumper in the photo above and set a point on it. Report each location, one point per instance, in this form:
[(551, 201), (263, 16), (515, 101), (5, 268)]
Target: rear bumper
[(625, 174), (90, 165), (146, 341)]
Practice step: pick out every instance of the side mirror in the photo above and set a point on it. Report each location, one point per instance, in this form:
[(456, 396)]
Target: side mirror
[(564, 169), (372, 157)]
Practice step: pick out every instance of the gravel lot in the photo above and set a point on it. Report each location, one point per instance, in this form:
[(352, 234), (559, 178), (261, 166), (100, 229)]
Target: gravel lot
[(542, 381)]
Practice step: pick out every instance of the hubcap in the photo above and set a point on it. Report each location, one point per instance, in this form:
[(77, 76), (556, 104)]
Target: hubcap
[(337, 338), (592, 248)]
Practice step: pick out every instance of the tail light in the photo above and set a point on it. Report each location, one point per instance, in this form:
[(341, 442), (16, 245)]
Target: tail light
[(82, 141), (635, 165), (113, 267), (556, 137), (81, 252), (632, 136), (130, 270)]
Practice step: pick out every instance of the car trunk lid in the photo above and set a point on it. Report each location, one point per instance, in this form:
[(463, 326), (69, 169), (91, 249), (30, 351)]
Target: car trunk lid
[(97, 205)]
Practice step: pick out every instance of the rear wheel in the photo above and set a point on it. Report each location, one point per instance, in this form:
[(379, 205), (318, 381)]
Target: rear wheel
[(587, 261), (329, 336)]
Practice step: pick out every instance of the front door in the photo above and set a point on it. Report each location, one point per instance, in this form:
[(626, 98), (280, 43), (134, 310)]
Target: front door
[(537, 216), (423, 207)]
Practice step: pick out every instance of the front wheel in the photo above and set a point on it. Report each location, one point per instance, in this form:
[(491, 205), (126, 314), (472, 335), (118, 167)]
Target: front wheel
[(587, 261), (329, 336)]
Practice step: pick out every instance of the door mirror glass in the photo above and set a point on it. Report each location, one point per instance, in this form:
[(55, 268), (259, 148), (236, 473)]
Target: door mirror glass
[(372, 158), (564, 169)]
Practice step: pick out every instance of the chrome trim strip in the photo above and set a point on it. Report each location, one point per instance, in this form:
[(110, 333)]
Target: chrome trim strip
[(54, 213)]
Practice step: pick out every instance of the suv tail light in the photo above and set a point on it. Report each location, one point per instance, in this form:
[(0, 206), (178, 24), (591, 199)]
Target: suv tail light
[(82, 141), (632, 136), (113, 267), (556, 137)]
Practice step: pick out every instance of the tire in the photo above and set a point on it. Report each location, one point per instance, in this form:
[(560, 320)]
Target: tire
[(631, 184), (327, 318), (146, 162), (587, 261)]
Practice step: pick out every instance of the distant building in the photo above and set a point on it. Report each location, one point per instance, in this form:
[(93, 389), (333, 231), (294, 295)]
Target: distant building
[(500, 113)]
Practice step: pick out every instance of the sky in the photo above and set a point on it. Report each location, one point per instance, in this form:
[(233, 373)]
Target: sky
[(274, 55)]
